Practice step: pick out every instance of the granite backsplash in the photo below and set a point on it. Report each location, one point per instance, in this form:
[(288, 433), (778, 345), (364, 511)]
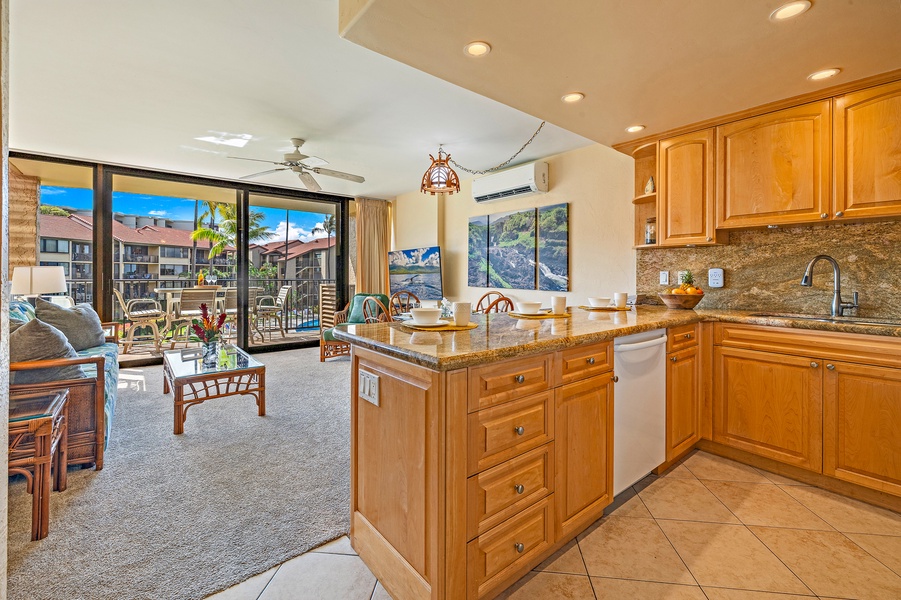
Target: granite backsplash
[(763, 268)]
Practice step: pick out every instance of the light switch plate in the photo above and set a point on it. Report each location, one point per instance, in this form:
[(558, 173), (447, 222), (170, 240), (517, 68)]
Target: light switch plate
[(664, 277), (715, 278), (368, 387)]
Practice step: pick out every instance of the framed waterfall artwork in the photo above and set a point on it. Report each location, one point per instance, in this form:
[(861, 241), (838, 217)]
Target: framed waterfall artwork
[(553, 248), (477, 269), (511, 250)]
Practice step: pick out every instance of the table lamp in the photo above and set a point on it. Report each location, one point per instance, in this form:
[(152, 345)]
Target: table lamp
[(31, 282)]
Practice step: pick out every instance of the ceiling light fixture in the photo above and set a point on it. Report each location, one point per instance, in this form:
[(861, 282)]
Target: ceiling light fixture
[(477, 49), (635, 128), (440, 178), (237, 140), (573, 97), (824, 74), (789, 10)]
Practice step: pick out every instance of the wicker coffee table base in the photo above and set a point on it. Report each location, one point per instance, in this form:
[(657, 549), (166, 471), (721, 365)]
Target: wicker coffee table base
[(197, 389)]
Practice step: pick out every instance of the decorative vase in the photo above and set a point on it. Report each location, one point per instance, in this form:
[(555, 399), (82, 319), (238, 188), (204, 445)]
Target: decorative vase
[(209, 352)]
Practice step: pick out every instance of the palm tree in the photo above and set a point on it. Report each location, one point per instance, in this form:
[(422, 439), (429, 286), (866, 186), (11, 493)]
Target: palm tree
[(224, 234), (327, 227)]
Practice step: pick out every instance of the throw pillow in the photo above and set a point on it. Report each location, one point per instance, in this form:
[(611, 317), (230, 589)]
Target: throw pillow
[(80, 324), (36, 340)]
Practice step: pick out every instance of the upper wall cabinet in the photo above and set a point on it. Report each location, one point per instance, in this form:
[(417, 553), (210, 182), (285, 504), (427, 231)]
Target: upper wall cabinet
[(775, 169), (685, 207), (868, 153)]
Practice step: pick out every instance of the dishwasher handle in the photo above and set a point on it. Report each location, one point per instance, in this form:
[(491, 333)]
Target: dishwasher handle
[(639, 345)]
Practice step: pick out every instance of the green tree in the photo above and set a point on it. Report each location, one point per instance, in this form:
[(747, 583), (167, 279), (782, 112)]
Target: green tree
[(47, 209), (224, 233), (328, 227)]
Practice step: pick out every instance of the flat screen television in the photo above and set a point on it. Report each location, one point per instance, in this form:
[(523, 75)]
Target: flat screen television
[(417, 270)]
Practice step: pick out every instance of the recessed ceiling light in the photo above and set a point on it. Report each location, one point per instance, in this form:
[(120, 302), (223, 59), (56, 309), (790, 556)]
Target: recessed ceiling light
[(573, 97), (476, 49), (789, 10), (635, 128), (824, 74)]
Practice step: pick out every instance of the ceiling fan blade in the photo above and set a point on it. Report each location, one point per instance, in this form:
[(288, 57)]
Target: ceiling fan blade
[(308, 181), (261, 173), (271, 162), (338, 174), (313, 161)]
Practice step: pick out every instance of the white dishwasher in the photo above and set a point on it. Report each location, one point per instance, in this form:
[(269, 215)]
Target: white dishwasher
[(639, 406)]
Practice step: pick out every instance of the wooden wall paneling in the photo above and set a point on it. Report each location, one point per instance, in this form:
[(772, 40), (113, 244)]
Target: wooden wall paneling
[(685, 194), (24, 202)]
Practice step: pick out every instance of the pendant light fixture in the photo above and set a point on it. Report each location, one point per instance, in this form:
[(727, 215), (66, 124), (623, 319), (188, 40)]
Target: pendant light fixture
[(440, 178)]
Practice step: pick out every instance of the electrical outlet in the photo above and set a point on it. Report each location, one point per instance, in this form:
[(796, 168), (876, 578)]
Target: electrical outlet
[(715, 278), (368, 387), (664, 277), (679, 275)]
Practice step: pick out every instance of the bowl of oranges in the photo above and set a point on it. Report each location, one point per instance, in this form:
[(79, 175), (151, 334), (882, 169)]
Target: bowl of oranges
[(686, 296)]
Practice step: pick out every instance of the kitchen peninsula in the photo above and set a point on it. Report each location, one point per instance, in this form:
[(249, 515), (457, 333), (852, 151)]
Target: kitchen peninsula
[(478, 453)]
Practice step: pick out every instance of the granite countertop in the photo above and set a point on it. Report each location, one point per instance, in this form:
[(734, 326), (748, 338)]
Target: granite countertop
[(500, 336)]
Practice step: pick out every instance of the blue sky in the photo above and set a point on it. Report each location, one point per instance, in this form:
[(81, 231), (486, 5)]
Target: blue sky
[(299, 225)]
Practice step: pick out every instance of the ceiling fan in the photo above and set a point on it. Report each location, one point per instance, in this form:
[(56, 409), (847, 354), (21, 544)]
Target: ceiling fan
[(303, 165)]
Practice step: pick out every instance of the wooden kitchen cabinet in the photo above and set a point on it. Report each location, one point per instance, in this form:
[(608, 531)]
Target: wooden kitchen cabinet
[(683, 424), (769, 404), (584, 449), (862, 425), (685, 192), (776, 168), (868, 153), (645, 203)]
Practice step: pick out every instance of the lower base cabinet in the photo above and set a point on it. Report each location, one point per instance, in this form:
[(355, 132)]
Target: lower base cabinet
[(683, 406)]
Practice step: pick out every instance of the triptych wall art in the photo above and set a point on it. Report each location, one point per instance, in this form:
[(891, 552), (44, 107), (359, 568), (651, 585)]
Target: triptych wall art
[(523, 249)]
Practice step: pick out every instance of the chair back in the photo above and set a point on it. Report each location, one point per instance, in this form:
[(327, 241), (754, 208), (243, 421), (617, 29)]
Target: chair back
[(121, 300), (231, 300), (282, 295), (355, 314), (502, 304), (402, 302), (374, 311), (192, 298), (486, 300)]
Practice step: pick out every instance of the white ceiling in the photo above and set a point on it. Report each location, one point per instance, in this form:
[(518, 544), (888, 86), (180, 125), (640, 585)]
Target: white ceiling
[(135, 82)]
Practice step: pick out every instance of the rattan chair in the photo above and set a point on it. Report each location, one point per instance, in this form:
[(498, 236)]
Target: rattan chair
[(141, 312), (402, 302), (329, 345), (374, 311), (502, 304), (486, 300)]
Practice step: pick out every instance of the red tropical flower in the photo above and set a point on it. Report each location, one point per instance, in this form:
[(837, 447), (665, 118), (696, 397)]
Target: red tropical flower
[(208, 327)]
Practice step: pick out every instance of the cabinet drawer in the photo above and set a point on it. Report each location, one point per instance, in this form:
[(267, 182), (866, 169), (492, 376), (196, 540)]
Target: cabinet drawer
[(682, 337), (494, 559), (584, 362), (494, 384), (500, 492), (500, 433)]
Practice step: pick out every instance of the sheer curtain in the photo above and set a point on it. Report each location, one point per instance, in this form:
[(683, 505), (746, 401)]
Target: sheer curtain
[(373, 243)]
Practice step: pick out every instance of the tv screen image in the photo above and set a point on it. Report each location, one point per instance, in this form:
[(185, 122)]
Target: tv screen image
[(417, 271)]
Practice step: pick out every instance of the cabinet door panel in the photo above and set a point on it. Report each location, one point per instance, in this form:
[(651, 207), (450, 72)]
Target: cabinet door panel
[(685, 192), (775, 168), (862, 426), (769, 404), (584, 447), (868, 152), (682, 402)]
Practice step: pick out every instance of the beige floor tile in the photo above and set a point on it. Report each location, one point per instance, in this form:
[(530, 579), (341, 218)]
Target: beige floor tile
[(727, 594), (628, 504), (708, 466), (321, 576), (684, 499), (380, 593), (338, 546), (845, 514), (764, 504), (567, 559), (831, 564), (631, 549), (620, 589), (249, 589), (886, 548), (779, 479), (679, 472), (550, 586), (644, 483), (730, 556)]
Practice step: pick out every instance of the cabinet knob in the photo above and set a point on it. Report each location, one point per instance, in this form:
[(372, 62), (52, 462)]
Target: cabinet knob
[(687, 336), (520, 488), (672, 359), (824, 215), (830, 366), (814, 364), (520, 378), (840, 214), (519, 547), (591, 361), (519, 430), (615, 379), (709, 239)]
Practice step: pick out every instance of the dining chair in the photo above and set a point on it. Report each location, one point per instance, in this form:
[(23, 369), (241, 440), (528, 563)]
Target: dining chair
[(141, 312), (502, 304), (375, 312), (188, 308), (486, 300), (402, 302), (269, 308)]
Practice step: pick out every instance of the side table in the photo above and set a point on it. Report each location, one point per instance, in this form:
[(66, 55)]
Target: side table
[(38, 439)]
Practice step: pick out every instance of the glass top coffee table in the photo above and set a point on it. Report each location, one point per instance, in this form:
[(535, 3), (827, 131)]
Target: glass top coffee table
[(194, 379)]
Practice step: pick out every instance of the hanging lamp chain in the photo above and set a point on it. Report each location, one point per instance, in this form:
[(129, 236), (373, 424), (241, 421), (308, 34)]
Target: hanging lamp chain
[(503, 164)]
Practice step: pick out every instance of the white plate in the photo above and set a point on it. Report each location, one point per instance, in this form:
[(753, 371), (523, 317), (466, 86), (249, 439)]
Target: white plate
[(438, 324)]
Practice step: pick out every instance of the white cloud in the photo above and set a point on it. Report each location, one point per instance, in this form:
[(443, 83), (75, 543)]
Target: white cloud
[(294, 232), (48, 191), (158, 213)]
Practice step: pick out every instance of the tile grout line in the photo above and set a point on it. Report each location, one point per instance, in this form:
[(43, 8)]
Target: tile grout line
[(585, 564), (277, 569), (682, 560), (873, 556), (374, 585)]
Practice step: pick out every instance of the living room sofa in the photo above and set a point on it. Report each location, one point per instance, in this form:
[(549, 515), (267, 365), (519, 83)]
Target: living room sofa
[(92, 398)]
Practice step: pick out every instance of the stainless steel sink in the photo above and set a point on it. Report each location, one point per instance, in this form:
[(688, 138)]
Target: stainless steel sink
[(828, 319)]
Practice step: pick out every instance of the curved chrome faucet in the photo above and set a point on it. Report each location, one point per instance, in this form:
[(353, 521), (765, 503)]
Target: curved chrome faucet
[(838, 307)]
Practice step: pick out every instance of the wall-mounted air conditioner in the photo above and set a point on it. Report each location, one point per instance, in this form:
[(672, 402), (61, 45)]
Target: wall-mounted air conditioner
[(511, 183)]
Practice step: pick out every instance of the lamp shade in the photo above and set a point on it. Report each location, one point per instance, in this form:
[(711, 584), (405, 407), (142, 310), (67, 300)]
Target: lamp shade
[(31, 281)]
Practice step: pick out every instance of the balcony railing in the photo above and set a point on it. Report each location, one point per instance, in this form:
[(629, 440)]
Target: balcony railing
[(147, 276), (82, 257)]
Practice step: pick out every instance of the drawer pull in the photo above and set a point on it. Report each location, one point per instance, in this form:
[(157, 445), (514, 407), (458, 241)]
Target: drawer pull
[(591, 361), (520, 488), (687, 336), (520, 378), (672, 359), (814, 364), (824, 215), (830, 366), (519, 430), (519, 547), (615, 379), (839, 214)]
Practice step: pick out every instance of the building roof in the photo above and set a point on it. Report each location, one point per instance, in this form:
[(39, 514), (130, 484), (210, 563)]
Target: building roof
[(76, 227)]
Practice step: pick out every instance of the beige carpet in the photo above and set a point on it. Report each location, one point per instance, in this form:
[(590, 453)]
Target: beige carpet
[(172, 517)]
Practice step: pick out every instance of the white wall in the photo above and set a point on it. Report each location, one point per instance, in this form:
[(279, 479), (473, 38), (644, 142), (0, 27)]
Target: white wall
[(596, 181)]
